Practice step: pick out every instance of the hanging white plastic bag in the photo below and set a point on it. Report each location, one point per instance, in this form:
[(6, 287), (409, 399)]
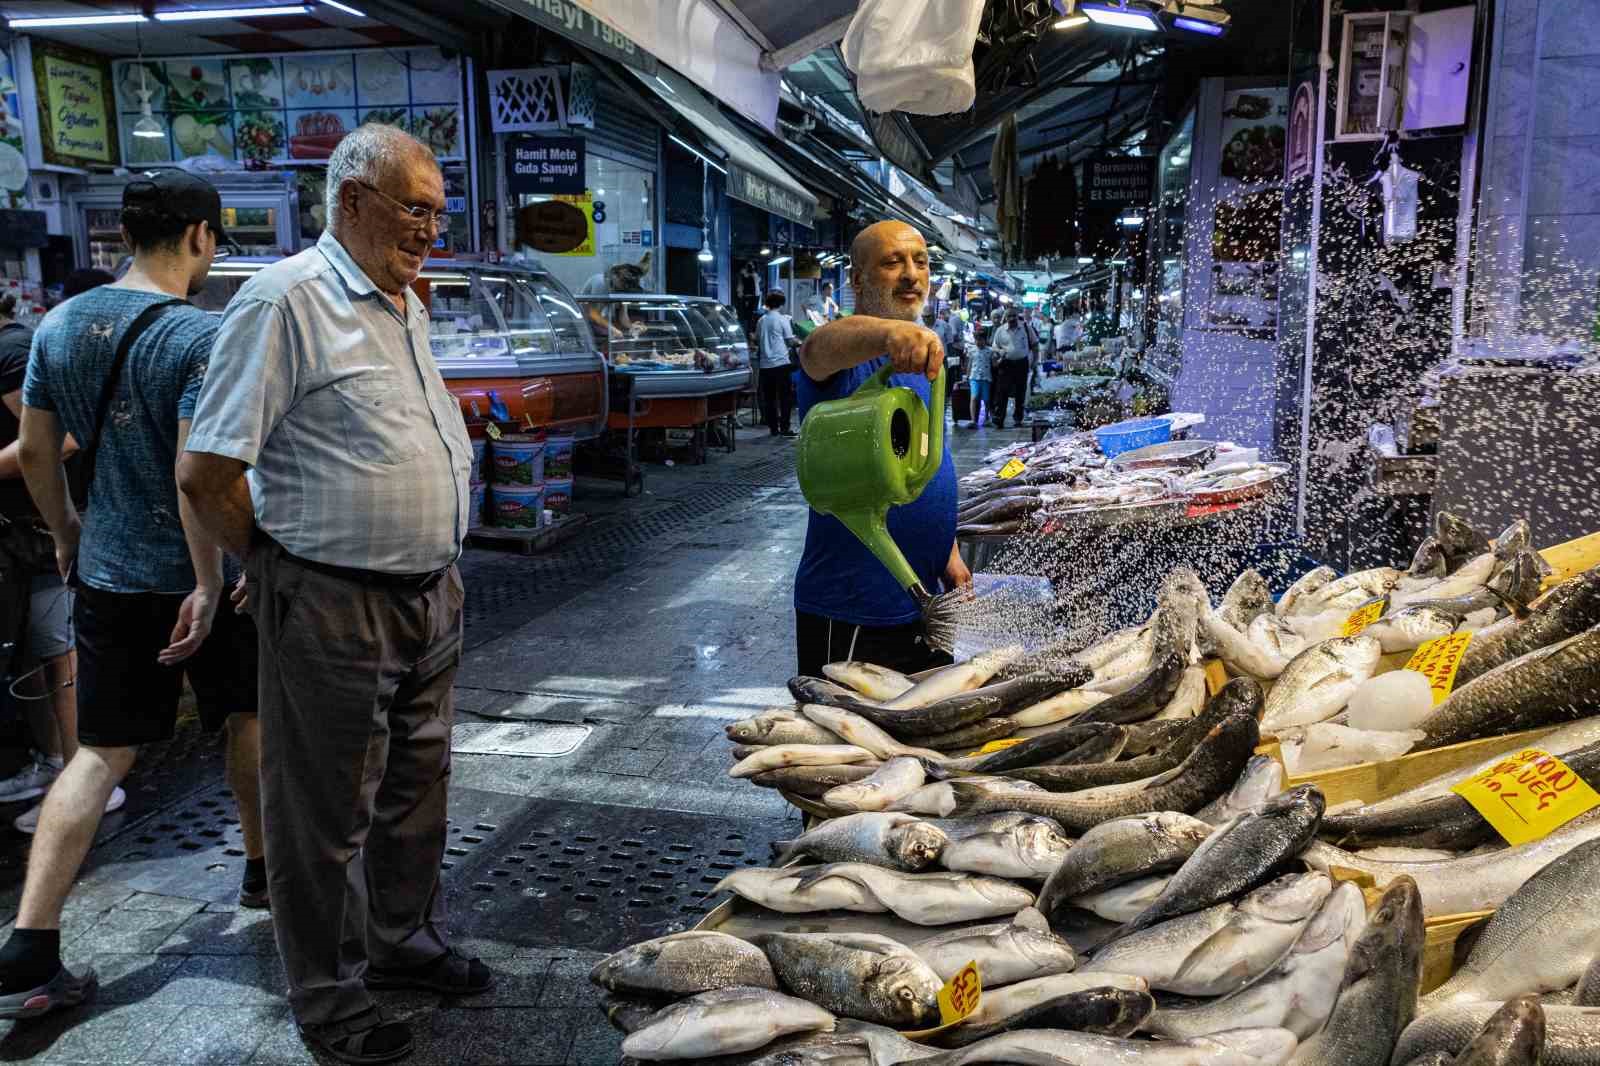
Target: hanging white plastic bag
[(914, 55), (1400, 193)]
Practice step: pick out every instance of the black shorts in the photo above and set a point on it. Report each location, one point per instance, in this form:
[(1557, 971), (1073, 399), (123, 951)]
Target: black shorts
[(126, 697)]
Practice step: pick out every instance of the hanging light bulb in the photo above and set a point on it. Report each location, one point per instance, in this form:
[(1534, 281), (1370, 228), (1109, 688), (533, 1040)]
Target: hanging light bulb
[(705, 255), (147, 126)]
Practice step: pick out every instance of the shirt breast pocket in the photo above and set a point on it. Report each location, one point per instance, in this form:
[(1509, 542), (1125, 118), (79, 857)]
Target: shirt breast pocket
[(379, 424)]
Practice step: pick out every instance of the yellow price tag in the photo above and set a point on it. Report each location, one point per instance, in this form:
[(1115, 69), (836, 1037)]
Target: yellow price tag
[(1363, 616), (1013, 468), (492, 430), (997, 745), (1437, 660), (1528, 795), (959, 997)]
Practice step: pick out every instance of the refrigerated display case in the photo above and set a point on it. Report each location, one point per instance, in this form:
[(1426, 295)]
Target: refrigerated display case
[(259, 212), (503, 336)]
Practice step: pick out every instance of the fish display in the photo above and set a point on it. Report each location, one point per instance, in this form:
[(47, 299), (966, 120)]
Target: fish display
[(683, 964), (856, 975), (1555, 684), (894, 840), (1027, 851), (722, 1022), (1318, 683), (1006, 953), (1571, 1034), (936, 898), (1122, 850)]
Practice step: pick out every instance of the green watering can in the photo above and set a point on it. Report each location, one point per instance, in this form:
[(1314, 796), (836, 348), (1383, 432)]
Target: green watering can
[(875, 449)]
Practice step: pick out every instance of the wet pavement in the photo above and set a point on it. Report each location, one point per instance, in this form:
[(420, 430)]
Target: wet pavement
[(590, 805)]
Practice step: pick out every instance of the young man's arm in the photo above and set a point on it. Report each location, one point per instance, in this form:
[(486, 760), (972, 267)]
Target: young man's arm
[(849, 342), (10, 455), (199, 608), (39, 445)]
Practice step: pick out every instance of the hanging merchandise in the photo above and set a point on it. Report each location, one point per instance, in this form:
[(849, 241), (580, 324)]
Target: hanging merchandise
[(525, 101), (1007, 187), (1050, 211), (1399, 201), (914, 55)]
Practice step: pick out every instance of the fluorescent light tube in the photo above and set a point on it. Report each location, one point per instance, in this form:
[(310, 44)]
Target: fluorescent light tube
[(1122, 18), (74, 20), (692, 150), (782, 259), (1211, 29), (346, 8), (1071, 22), (203, 14)]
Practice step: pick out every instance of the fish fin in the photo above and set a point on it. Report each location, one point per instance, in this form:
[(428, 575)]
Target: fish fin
[(935, 771), (811, 877), (783, 850)]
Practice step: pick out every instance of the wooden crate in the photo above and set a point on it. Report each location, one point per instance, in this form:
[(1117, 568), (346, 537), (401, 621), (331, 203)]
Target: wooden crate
[(1440, 933), (1573, 557)]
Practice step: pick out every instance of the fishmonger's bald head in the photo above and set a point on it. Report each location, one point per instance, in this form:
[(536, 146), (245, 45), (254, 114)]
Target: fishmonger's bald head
[(889, 271)]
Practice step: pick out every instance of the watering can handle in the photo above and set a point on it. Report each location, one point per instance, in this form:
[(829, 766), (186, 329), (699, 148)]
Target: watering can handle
[(931, 458)]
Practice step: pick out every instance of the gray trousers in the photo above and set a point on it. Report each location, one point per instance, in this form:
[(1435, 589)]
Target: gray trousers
[(355, 688)]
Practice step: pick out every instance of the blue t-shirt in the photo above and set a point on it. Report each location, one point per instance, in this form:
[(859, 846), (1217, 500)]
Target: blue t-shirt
[(838, 577), (132, 535)]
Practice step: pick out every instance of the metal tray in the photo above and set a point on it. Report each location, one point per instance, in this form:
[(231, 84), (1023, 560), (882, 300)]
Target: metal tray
[(1190, 454)]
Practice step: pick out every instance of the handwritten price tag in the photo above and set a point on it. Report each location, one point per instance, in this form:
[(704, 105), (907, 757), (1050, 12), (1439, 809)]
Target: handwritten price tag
[(1437, 660), (1528, 795), (959, 997), (492, 430), (1012, 469), (1363, 616)]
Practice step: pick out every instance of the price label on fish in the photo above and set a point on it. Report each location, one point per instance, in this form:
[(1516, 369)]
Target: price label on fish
[(959, 997), (998, 745), (1012, 469), (1528, 795), (1437, 660), (1363, 616)]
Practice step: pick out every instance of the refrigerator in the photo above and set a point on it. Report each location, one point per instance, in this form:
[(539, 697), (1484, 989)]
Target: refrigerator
[(259, 211)]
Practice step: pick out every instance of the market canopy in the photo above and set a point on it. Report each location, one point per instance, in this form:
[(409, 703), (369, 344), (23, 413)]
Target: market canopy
[(753, 175)]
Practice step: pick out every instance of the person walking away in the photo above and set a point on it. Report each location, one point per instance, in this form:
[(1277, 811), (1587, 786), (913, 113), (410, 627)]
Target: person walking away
[(324, 389), (847, 605), (949, 334), (36, 601), (1011, 370), (776, 342), (980, 374), (119, 368)]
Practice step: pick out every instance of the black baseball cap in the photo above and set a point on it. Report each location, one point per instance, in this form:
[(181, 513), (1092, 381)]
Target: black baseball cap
[(185, 196)]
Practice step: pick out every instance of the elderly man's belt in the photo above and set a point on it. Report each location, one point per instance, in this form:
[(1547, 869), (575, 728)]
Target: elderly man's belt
[(415, 583)]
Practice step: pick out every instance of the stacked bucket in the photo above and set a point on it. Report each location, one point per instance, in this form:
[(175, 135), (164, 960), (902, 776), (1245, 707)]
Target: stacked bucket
[(530, 480)]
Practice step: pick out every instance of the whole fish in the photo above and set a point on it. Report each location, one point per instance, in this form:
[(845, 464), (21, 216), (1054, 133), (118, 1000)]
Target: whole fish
[(1378, 997), (1146, 738), (953, 680), (1275, 636), (1119, 851), (1472, 577), (1471, 883), (812, 781), (1587, 992), (1239, 855), (1189, 698), (1006, 952), (1037, 750), (967, 707), (1120, 904), (852, 728), (964, 740), (683, 964), (1428, 562), (874, 682), (1057, 1047), (1351, 591), (1261, 779), (1142, 700), (1245, 599), (928, 898), (895, 841), (1513, 1036), (1318, 683), (983, 824), (1458, 540), (1306, 586), (856, 975), (1521, 950), (1030, 851), (1409, 627), (1446, 821), (1298, 991), (627, 1013), (1571, 1034), (821, 690), (1116, 1012), (781, 891), (1552, 685), (894, 780), (1219, 950), (778, 727), (939, 798), (1058, 708), (1241, 654), (777, 756), (999, 1006), (723, 1022), (1209, 771), (1567, 610)]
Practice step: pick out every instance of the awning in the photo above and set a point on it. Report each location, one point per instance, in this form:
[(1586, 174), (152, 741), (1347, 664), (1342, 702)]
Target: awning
[(753, 175)]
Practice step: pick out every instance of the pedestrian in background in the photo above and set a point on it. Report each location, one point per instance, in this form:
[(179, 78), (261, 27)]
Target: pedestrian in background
[(1011, 367), (777, 344), (353, 515), (980, 362), (119, 368)]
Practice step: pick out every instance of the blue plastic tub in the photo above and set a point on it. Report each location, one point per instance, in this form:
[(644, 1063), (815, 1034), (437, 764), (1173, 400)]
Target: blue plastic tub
[(1122, 437)]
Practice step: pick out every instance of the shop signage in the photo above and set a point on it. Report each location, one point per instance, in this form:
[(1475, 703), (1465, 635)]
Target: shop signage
[(544, 166), (1119, 182), (573, 22), (757, 191), (560, 226), (75, 106)]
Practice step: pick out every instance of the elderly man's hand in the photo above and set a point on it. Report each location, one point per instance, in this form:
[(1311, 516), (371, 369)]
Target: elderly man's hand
[(913, 349)]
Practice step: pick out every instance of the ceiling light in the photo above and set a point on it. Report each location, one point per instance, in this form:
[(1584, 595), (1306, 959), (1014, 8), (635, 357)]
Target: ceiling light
[(1072, 22), (147, 126), (74, 20), (782, 259), (1198, 18), (1196, 26), (1109, 13), (692, 150), (1085, 260), (705, 255), (1131, 219), (202, 14), (346, 8), (766, 250)]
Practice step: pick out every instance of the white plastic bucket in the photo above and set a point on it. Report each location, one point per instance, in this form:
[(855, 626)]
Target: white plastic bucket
[(518, 461), (558, 454), (558, 495), (519, 507)]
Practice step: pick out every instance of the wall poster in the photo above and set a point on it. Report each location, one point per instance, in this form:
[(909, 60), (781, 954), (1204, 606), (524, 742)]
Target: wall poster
[(75, 106), (1249, 210)]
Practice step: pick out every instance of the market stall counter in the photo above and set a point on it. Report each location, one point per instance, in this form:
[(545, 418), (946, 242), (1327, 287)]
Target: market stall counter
[(676, 362)]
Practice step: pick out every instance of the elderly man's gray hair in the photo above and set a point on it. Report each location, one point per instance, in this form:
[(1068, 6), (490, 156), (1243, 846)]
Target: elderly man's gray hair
[(364, 155)]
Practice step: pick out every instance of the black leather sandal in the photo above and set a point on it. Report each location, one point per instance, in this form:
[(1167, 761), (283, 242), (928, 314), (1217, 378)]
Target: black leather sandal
[(369, 1037)]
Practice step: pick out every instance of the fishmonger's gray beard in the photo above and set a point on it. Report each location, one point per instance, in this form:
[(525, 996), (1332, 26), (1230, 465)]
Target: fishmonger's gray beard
[(904, 302)]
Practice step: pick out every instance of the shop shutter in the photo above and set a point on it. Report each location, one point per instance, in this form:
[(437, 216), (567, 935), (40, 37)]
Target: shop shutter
[(622, 131)]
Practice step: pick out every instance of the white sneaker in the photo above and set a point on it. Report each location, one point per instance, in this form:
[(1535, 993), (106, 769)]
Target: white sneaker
[(32, 781), (29, 822)]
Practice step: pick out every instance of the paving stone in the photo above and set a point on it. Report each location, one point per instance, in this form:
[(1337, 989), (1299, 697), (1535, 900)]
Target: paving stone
[(567, 983), (518, 982), (215, 1036), (128, 931), (597, 1043), (129, 978), (225, 981), (103, 1034), (242, 931), (150, 901), (629, 762), (282, 1045), (498, 1037)]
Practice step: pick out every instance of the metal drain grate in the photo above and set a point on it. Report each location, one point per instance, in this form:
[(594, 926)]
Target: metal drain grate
[(192, 848), (552, 873)]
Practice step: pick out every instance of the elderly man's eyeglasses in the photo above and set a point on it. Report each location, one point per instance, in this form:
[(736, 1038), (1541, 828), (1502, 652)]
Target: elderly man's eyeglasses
[(420, 215)]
